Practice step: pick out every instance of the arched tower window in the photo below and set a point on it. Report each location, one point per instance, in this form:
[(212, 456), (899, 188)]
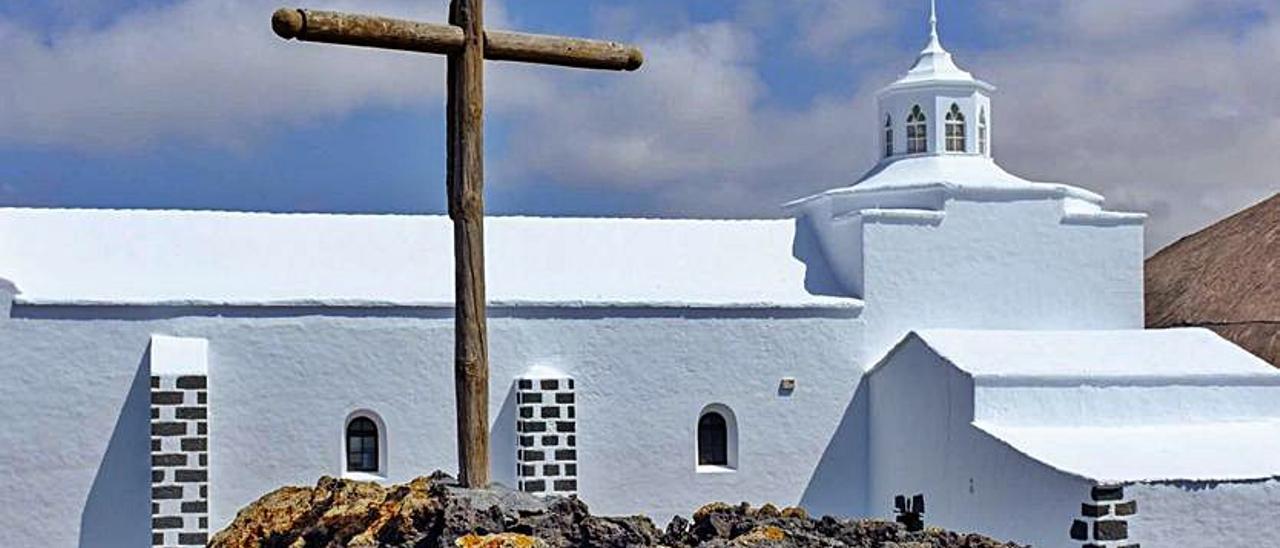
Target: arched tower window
[(982, 131), (917, 131), (363, 445), (717, 439), (888, 136), (955, 129)]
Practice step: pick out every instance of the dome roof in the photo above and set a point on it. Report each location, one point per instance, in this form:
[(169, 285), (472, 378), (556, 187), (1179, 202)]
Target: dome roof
[(969, 173), (934, 65)]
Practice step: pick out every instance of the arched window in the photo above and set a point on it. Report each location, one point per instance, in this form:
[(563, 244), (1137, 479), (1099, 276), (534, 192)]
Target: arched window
[(955, 129), (888, 136), (917, 132), (717, 439), (982, 131), (363, 446), (713, 439)]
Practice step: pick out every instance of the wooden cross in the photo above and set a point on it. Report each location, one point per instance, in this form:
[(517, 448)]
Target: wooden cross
[(467, 44)]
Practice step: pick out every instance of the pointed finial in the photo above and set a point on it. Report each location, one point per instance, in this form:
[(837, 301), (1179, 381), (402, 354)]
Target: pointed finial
[(933, 19), (935, 43)]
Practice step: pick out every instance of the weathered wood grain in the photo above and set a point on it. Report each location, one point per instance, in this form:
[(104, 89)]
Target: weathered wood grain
[(386, 33), (466, 208)]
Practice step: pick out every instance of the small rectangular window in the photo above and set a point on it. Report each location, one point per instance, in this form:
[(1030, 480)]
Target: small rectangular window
[(917, 139)]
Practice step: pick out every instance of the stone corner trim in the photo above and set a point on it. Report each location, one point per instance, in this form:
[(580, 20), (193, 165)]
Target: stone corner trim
[(1103, 519), (179, 460), (547, 436)]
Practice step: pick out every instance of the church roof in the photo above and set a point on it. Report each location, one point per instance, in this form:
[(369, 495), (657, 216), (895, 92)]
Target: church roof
[(150, 257), (1185, 354), (1210, 451), (967, 172), (1224, 278), (1120, 447)]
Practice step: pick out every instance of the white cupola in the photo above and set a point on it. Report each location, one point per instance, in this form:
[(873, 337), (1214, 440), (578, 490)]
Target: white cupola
[(936, 108), (935, 131), (934, 148)]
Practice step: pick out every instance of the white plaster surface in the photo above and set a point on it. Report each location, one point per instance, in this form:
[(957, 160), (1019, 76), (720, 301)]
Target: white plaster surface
[(1098, 355), (179, 355), (282, 387), (922, 441), (1068, 403), (1206, 515), (1210, 451), (995, 264), (1062, 411), (179, 257), (7, 293), (968, 171)]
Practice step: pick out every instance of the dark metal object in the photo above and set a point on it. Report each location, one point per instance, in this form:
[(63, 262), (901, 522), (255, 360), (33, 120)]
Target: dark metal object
[(910, 514)]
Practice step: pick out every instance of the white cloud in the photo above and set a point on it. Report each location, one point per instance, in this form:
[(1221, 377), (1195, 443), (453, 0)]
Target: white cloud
[(1180, 123), (1160, 105), (207, 69), (828, 26), (823, 27), (689, 128)]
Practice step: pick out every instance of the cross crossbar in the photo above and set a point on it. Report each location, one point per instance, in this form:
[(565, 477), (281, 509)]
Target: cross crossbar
[(386, 33)]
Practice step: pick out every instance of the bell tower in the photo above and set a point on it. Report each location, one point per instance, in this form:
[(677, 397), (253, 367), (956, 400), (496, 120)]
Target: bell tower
[(936, 108)]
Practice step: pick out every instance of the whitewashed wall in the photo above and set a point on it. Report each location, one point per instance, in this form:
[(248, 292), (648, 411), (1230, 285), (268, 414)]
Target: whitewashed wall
[(922, 442), (75, 394), (75, 450), (1206, 514), (999, 265)]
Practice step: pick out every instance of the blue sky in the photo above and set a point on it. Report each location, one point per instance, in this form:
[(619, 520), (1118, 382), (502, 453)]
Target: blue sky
[(1167, 107)]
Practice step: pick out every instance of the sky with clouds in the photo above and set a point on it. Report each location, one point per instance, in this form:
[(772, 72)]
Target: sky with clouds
[(1171, 107)]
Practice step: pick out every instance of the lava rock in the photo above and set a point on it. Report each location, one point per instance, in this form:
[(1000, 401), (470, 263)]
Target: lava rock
[(434, 512)]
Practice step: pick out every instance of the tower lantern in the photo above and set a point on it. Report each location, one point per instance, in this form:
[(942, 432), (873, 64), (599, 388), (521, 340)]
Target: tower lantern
[(936, 108)]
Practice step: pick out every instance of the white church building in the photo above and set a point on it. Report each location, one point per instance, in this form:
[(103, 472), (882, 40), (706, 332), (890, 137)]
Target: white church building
[(939, 327)]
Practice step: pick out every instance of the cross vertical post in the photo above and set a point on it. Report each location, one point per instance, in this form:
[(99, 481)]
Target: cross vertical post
[(466, 208), (467, 44)]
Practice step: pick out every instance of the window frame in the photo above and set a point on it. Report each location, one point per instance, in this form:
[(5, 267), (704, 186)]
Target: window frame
[(888, 136), (917, 131), (956, 139), (983, 137), (730, 464), (379, 447)]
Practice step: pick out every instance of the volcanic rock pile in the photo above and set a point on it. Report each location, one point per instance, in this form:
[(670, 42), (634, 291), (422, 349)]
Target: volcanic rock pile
[(432, 512)]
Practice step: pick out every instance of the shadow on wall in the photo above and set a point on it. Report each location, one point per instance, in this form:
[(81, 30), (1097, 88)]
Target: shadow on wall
[(502, 442), (118, 510), (840, 482), (818, 278)]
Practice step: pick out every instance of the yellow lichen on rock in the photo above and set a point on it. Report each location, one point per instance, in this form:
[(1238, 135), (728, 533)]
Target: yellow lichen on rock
[(795, 512), (712, 508), (768, 511), (761, 535), (502, 540)]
